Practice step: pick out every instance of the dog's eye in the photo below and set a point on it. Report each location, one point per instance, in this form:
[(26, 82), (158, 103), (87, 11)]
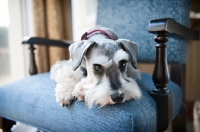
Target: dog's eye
[(122, 64), (84, 71), (97, 67)]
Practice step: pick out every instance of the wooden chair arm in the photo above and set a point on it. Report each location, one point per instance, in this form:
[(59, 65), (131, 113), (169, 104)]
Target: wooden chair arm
[(41, 41), (46, 41), (170, 26), (161, 94)]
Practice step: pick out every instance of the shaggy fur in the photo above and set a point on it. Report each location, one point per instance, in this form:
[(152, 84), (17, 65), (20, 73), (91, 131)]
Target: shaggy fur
[(100, 71)]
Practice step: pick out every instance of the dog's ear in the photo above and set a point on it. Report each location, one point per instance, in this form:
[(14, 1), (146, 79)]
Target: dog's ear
[(130, 48), (78, 50)]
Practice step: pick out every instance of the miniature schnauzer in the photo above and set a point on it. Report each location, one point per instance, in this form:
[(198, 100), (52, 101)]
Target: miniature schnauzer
[(101, 70)]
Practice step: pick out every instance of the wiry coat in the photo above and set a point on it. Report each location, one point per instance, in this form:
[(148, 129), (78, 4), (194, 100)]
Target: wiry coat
[(100, 71)]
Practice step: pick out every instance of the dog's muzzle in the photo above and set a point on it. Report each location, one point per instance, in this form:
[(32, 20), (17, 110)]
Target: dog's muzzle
[(117, 97)]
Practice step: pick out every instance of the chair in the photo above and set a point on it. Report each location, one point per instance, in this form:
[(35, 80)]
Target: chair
[(32, 101)]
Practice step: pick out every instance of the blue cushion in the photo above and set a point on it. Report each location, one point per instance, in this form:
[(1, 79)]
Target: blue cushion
[(130, 19), (32, 101)]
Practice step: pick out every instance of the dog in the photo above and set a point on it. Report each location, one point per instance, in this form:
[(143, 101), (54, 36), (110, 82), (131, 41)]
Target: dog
[(101, 70)]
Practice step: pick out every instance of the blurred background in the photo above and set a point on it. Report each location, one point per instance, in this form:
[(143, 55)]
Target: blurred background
[(4, 49), (18, 19)]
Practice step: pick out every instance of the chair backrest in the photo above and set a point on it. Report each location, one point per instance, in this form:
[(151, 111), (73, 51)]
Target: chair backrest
[(130, 19)]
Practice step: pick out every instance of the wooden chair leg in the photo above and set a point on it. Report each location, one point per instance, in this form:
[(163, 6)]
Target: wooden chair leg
[(179, 123), (7, 125)]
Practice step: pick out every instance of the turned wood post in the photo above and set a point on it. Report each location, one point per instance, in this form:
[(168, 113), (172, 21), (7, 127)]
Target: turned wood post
[(32, 68), (161, 73), (160, 78)]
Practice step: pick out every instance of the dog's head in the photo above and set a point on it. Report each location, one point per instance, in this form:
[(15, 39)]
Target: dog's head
[(111, 69)]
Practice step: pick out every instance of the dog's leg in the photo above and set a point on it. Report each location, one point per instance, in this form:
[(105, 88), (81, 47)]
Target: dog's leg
[(66, 79)]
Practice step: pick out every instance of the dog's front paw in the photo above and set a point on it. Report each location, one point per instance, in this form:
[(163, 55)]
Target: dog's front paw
[(79, 91), (63, 95), (78, 94)]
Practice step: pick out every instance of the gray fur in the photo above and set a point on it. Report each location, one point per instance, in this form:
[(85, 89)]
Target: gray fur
[(105, 47), (113, 76), (101, 45), (113, 83), (78, 50), (131, 48)]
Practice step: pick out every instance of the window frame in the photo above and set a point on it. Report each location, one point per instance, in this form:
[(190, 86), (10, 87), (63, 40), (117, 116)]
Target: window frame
[(21, 25)]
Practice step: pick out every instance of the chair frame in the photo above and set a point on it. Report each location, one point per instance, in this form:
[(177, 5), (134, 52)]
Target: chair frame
[(162, 96)]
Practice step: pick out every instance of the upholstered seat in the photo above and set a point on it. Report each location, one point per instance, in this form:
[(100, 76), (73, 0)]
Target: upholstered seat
[(32, 101)]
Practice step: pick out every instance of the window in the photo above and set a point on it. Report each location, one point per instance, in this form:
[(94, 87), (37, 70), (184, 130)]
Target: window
[(16, 24), (84, 14), (5, 73)]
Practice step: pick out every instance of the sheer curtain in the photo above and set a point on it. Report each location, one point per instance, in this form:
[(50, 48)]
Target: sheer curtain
[(52, 19)]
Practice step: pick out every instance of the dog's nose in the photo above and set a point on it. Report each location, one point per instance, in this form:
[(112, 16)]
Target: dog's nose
[(117, 98)]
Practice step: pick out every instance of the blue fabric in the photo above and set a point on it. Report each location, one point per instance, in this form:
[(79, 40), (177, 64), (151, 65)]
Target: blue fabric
[(32, 101), (130, 19)]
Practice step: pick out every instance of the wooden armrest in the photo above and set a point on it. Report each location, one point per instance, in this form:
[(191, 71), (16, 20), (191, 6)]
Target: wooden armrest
[(46, 42), (169, 25), (41, 41), (161, 94)]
